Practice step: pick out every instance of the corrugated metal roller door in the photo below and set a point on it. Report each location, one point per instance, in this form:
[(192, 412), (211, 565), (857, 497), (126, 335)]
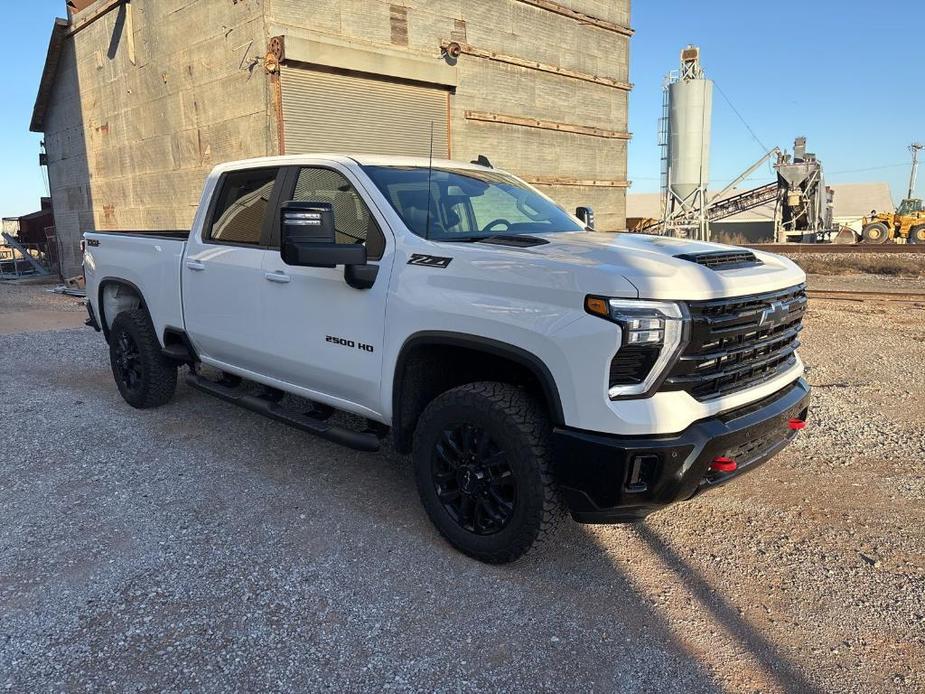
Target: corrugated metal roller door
[(332, 112)]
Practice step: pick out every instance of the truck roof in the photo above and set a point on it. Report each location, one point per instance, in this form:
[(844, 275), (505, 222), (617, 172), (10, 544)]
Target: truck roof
[(345, 159)]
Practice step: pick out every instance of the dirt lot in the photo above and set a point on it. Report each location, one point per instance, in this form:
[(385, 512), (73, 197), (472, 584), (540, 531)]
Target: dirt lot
[(31, 308), (201, 547)]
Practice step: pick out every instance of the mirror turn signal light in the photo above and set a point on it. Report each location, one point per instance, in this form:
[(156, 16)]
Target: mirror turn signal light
[(723, 464)]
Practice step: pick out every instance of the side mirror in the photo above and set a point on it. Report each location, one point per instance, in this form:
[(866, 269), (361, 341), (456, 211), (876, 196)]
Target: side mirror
[(307, 237), (586, 215)]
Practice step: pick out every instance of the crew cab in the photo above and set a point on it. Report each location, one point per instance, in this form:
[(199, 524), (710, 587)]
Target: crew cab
[(533, 367)]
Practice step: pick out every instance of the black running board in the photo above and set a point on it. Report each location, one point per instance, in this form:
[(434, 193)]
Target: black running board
[(358, 440)]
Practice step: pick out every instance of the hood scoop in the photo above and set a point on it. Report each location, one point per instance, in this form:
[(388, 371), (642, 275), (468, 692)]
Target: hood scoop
[(722, 260), (515, 240)]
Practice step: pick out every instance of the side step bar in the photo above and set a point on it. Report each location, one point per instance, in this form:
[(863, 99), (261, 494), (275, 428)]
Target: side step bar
[(359, 440)]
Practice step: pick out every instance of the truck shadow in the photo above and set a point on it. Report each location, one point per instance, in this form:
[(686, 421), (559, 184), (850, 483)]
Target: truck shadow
[(781, 670), (582, 606)]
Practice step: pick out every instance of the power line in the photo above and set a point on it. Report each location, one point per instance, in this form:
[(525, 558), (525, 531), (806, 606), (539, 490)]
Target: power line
[(741, 118), (870, 168)]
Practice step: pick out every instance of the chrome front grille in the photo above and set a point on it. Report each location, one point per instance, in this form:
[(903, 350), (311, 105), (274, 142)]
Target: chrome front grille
[(738, 343)]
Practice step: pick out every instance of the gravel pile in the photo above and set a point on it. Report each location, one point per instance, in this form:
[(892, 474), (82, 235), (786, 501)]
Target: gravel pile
[(199, 546)]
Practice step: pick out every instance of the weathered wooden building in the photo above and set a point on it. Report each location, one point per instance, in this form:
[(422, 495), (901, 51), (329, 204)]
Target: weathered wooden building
[(140, 98)]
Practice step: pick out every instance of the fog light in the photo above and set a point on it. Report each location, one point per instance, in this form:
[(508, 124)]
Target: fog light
[(797, 424)]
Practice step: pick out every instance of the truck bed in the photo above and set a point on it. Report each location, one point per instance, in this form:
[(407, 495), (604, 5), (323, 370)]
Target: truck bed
[(150, 260)]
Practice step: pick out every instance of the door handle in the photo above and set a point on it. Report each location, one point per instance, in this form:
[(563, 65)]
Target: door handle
[(278, 276), (195, 265)]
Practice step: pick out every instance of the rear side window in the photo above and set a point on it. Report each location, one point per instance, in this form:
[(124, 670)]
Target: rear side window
[(241, 209), (353, 222)]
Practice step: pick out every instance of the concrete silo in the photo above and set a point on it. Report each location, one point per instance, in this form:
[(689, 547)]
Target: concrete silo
[(686, 132)]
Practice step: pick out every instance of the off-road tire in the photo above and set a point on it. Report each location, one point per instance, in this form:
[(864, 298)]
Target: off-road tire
[(917, 234), (519, 427), (155, 376), (876, 232)]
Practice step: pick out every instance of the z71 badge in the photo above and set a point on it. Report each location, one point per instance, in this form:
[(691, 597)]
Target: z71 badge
[(429, 260)]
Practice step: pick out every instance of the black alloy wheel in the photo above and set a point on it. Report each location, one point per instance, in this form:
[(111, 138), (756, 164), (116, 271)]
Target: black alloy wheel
[(483, 468), (127, 362), (145, 377), (474, 480)]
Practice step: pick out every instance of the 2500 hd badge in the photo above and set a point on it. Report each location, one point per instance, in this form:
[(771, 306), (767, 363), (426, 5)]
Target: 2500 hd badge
[(349, 343)]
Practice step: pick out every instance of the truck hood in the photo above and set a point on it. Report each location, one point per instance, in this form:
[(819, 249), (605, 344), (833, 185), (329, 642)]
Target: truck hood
[(651, 264)]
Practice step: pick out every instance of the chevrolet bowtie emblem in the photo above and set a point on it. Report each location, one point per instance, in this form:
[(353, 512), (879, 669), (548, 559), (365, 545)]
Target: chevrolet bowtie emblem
[(774, 315)]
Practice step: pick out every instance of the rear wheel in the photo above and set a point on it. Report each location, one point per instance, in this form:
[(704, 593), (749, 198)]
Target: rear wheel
[(877, 232), (917, 234), (482, 463), (144, 376)]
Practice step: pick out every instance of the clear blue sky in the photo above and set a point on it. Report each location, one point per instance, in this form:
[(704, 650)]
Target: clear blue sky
[(833, 70)]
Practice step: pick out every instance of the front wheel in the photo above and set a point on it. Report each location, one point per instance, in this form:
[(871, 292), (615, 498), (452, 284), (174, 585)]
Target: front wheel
[(144, 376), (917, 234), (482, 461), (875, 233)]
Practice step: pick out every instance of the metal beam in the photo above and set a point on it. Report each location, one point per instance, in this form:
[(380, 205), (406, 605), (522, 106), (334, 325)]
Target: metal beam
[(580, 17), (91, 14), (469, 49), (24, 252), (580, 182), (504, 119)]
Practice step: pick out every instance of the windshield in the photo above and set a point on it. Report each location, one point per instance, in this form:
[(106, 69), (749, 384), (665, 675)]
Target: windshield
[(909, 206), (467, 203)]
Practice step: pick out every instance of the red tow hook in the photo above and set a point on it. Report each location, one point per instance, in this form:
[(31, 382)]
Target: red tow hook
[(796, 424), (723, 464)]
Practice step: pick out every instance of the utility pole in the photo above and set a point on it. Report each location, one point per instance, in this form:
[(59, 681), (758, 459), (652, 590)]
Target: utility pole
[(915, 148)]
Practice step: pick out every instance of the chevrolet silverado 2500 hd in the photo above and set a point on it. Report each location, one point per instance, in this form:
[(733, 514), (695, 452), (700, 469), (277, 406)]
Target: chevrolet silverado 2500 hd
[(531, 365)]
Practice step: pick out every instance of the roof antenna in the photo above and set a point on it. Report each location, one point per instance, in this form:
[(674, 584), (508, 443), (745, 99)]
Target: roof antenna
[(430, 172)]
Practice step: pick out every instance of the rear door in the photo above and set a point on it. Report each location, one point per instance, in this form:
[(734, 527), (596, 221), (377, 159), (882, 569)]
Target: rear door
[(223, 279), (327, 336)]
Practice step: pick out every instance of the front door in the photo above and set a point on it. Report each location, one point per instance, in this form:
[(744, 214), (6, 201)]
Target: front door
[(222, 272), (327, 336)]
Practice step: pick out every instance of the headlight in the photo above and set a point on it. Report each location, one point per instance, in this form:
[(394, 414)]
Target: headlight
[(652, 332)]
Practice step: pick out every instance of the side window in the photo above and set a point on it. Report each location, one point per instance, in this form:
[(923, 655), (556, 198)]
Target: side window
[(242, 206), (353, 221)]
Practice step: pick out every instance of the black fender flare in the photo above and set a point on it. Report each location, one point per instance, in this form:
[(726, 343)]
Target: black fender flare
[(477, 343)]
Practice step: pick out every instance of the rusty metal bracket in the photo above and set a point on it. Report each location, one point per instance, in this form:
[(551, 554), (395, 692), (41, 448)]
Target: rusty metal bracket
[(277, 47)]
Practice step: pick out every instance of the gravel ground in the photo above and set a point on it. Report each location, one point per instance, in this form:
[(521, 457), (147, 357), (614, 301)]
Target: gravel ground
[(887, 265), (30, 306), (201, 547)]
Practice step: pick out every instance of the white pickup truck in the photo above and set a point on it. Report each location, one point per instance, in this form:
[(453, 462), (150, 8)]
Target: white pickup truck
[(532, 366)]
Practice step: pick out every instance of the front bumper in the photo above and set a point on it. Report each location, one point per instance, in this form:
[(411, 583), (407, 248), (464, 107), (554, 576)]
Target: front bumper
[(618, 479)]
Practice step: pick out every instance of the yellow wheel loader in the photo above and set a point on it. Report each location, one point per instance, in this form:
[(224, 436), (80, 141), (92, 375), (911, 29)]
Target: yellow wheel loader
[(906, 225)]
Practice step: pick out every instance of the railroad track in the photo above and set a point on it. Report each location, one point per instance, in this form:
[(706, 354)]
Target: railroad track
[(891, 248), (867, 297)]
